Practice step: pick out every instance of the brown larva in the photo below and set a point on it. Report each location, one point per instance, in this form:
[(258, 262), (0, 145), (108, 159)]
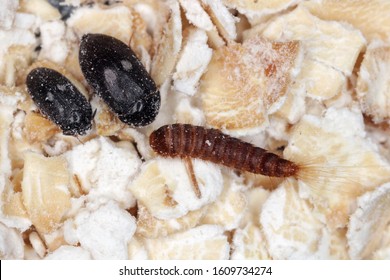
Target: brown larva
[(189, 141)]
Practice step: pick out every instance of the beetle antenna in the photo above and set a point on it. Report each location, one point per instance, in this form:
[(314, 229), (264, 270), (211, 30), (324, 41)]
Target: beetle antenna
[(94, 113), (79, 139)]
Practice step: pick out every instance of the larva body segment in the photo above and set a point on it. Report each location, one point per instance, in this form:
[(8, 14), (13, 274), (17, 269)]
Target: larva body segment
[(185, 140)]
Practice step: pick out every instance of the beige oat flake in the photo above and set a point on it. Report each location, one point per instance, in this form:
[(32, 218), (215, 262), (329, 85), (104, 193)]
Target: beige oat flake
[(165, 188), (373, 84), (169, 46), (244, 82), (205, 242), (116, 21), (371, 17), (45, 190), (151, 227)]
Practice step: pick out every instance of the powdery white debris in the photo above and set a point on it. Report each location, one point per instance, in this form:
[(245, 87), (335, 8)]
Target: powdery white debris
[(16, 36), (70, 233), (67, 252), (196, 14), (11, 243), (25, 21), (104, 170), (205, 242), (16, 49), (7, 13), (188, 69), (13, 213), (164, 186), (104, 232), (186, 112), (368, 223), (291, 228), (137, 250), (54, 46)]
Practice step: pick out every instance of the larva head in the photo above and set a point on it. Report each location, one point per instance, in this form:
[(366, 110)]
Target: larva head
[(160, 142), (115, 73), (59, 100)]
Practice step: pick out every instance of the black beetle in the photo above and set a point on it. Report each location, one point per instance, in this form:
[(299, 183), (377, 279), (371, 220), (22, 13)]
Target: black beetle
[(117, 76), (59, 100)]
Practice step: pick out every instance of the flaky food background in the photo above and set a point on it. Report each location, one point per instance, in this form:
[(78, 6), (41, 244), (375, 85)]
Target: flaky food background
[(309, 80)]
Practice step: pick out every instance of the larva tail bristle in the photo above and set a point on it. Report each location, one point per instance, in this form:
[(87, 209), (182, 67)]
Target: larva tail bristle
[(341, 181), (330, 180), (345, 174)]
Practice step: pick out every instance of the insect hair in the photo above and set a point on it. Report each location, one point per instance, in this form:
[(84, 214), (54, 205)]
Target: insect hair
[(344, 174), (185, 140)]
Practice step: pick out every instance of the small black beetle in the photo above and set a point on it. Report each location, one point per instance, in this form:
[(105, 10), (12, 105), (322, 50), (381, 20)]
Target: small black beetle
[(59, 100), (116, 75)]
